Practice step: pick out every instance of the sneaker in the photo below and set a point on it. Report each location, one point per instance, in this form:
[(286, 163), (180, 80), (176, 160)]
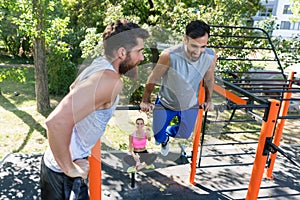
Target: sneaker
[(151, 166), (165, 147), (131, 170)]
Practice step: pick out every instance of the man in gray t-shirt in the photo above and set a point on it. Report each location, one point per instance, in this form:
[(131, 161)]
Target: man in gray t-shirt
[(181, 68)]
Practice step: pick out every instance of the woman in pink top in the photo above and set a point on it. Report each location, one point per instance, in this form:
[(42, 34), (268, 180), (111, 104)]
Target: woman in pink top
[(137, 148)]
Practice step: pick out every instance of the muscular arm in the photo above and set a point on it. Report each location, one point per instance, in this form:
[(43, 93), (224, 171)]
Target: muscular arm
[(159, 70), (209, 81), (95, 92)]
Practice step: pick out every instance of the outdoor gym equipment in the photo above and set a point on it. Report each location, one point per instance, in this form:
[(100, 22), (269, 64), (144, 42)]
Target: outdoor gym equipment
[(269, 120), (272, 96)]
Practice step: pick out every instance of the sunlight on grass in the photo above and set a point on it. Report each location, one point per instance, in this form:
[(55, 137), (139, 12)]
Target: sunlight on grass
[(22, 127)]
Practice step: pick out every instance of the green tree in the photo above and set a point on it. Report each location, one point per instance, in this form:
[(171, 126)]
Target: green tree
[(295, 8), (73, 27), (39, 54)]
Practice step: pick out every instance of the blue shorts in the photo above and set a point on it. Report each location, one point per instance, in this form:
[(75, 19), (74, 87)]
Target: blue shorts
[(162, 118)]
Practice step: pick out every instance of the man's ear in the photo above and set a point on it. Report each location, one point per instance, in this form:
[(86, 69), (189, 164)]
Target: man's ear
[(121, 52), (185, 39)]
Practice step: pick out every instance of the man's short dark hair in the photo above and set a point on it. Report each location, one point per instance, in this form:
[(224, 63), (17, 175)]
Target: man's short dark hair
[(122, 33), (196, 29)]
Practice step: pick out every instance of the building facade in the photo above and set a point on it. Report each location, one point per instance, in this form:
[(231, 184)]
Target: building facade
[(281, 10)]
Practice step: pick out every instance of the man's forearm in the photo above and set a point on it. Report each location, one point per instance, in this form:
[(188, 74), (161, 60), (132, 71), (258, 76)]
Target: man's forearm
[(209, 88), (146, 98), (59, 137)]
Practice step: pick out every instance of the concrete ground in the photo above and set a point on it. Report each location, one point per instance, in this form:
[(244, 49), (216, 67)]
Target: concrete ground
[(224, 174)]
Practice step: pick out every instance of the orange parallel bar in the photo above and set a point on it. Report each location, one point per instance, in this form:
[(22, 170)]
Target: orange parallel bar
[(260, 159), (278, 132), (197, 135), (95, 183), (229, 95), (198, 126)]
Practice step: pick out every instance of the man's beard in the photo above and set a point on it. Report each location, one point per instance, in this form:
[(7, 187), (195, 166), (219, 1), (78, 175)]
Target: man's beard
[(128, 69)]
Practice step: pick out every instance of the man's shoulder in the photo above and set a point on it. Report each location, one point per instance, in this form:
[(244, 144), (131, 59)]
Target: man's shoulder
[(177, 48), (210, 51)]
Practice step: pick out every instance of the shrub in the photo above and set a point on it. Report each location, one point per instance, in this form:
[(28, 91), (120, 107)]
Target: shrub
[(61, 71)]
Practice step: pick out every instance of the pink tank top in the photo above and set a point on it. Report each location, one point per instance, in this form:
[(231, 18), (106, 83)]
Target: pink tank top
[(137, 142)]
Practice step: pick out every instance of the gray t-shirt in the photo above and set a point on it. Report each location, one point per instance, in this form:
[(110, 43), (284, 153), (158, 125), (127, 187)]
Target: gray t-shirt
[(180, 84), (87, 131)]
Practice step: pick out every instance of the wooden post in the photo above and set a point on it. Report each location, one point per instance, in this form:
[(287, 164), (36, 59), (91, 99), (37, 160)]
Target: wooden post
[(278, 133), (261, 157), (95, 183)]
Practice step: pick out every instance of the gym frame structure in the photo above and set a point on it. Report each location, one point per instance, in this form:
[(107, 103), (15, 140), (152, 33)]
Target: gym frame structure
[(263, 95)]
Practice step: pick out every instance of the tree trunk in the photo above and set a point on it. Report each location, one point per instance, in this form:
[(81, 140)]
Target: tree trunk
[(39, 51), (41, 80)]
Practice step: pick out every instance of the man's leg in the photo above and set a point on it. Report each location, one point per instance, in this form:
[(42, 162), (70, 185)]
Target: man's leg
[(161, 120), (57, 186), (185, 126), (51, 183)]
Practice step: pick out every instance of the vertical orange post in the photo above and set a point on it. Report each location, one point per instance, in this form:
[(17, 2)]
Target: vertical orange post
[(197, 135), (260, 159), (278, 133), (95, 183)]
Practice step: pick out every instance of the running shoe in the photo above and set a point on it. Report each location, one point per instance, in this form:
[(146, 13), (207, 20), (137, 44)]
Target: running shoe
[(151, 166), (165, 147), (131, 170)]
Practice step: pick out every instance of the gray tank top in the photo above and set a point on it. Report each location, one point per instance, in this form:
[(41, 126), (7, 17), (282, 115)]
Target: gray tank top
[(87, 131), (180, 84)]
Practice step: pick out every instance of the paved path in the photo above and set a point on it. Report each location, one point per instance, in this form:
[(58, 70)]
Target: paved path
[(225, 176)]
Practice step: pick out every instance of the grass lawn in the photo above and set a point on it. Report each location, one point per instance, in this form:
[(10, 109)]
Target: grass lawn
[(21, 126), (23, 129)]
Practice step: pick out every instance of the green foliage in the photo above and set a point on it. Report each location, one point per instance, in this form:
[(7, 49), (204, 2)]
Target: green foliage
[(295, 8), (15, 40), (62, 72), (91, 45), (14, 73), (73, 30), (287, 49)]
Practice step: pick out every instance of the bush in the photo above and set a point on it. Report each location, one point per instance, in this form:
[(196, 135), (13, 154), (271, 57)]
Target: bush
[(61, 71)]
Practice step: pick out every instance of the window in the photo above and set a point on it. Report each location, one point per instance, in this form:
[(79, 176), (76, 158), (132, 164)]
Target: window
[(266, 12), (287, 10), (295, 26), (285, 25)]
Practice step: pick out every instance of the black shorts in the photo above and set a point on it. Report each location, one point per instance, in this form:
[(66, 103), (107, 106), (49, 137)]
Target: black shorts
[(58, 186)]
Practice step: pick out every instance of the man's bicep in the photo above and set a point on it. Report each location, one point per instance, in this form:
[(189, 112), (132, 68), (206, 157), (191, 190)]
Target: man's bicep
[(210, 74)]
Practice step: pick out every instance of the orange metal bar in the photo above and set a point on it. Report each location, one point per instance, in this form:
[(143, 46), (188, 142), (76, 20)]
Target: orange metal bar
[(260, 159), (198, 126), (197, 135), (278, 133), (95, 183), (232, 97)]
